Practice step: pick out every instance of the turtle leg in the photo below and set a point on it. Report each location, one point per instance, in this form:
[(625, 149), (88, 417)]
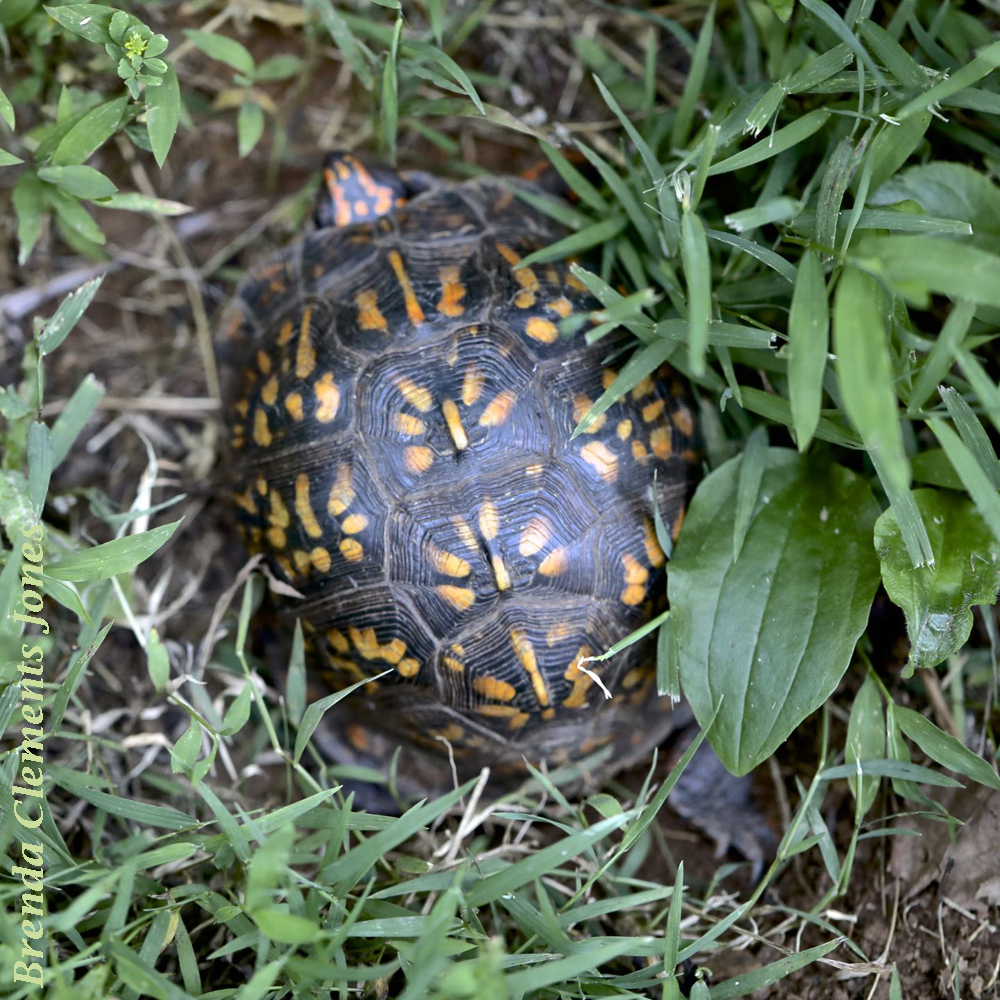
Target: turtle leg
[(353, 192)]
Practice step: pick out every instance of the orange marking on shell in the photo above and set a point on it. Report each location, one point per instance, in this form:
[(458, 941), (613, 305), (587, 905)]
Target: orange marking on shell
[(489, 520), (242, 407), (338, 640), (279, 515), (352, 550), (558, 631), (448, 563), (302, 563), (498, 711), (465, 533), (682, 420), (624, 429), (303, 507), (264, 362), (369, 316), (555, 563), (408, 425), (635, 572), (460, 598), (608, 376), (524, 299), (561, 306), (305, 354), (417, 459), (472, 386), (452, 732), (526, 654), (269, 391), (408, 667), (342, 492), (535, 537), (365, 642), (493, 687), (517, 721), (277, 538), (261, 430), (678, 521), (572, 281), (524, 276), (633, 677), (500, 574), (498, 409), (581, 404), (320, 558), (357, 736), (453, 420), (639, 452), (452, 292), (533, 470), (413, 310), (456, 666), (645, 387), (577, 698), (261, 485), (418, 396), (246, 501), (542, 330), (286, 566), (393, 651), (293, 403), (654, 553), (661, 443), (286, 333), (354, 523), (654, 410), (604, 461), (327, 398)]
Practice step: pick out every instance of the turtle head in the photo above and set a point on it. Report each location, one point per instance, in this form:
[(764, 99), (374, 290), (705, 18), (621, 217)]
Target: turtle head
[(352, 191)]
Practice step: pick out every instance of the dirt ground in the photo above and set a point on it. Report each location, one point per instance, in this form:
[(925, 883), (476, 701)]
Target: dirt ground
[(926, 904)]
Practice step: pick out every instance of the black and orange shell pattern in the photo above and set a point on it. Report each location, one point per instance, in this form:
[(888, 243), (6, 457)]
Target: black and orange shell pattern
[(401, 426)]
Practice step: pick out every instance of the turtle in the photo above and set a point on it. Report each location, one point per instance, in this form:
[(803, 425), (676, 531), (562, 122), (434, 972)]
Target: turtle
[(406, 390)]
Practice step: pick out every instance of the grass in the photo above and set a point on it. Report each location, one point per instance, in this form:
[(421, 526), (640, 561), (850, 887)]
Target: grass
[(793, 203)]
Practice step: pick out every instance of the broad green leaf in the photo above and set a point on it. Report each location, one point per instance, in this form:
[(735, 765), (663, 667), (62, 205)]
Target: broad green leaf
[(29, 205), (865, 741), (119, 556), (59, 327), (279, 67), (39, 464), (770, 635), (945, 749), (163, 109), (249, 126), (6, 110), (748, 485), (88, 20), (808, 346), (74, 416), (9, 159), (80, 181), (225, 49), (134, 201), (938, 600), (89, 133)]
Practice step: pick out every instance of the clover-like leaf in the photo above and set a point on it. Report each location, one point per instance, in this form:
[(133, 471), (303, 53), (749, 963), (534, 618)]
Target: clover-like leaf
[(937, 599), (770, 633), (119, 24)]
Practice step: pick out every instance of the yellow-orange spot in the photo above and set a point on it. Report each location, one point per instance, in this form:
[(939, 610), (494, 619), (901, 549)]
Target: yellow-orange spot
[(369, 316), (633, 594), (338, 640), (409, 425), (460, 598), (562, 306), (493, 687), (581, 404), (264, 362), (499, 711), (286, 566), (243, 407), (526, 654), (303, 507), (365, 642), (524, 276), (572, 281), (320, 558), (498, 409), (279, 516), (276, 537), (524, 299), (452, 732), (454, 422), (262, 486), (489, 520), (393, 651), (293, 403), (633, 677), (554, 563), (354, 523), (654, 553), (452, 292), (261, 431), (682, 420), (448, 563), (286, 333), (654, 410), (635, 572), (472, 386), (417, 458), (302, 563), (342, 492), (678, 521), (413, 310), (457, 666), (624, 429), (660, 442), (246, 501), (352, 550), (418, 396), (408, 667), (643, 388), (608, 375), (535, 537), (357, 736), (465, 533), (577, 698), (327, 398), (516, 721), (305, 353), (558, 631), (604, 461), (639, 451), (542, 330), (500, 573), (361, 208)]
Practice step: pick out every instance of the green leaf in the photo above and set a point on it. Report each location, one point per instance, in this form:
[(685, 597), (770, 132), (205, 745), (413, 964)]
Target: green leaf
[(785, 138), (694, 82), (938, 599), (750, 982), (238, 711), (943, 354), (286, 928), (748, 485), (39, 464), (279, 67), (783, 8), (135, 201), (157, 661), (448, 65), (986, 61), (59, 327), (808, 346), (698, 276), (119, 556), (75, 216), (80, 181), (225, 49), (89, 133), (344, 39), (88, 20), (74, 416), (29, 204), (185, 751), (249, 126), (764, 640), (945, 749), (163, 109), (865, 741), (9, 159), (390, 93), (6, 110)]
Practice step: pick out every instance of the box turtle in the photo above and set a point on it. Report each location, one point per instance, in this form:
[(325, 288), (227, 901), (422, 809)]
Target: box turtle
[(401, 417)]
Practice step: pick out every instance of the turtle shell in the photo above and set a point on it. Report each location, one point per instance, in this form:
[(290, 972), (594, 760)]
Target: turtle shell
[(402, 416)]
